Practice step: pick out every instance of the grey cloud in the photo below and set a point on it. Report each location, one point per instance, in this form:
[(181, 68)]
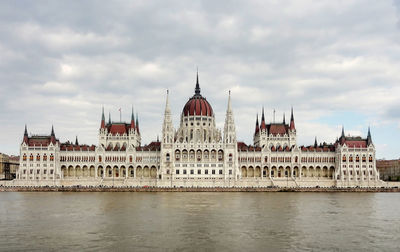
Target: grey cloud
[(60, 61)]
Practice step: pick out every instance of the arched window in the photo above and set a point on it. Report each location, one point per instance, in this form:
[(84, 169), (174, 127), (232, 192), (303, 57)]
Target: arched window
[(177, 155), (167, 157), (37, 157), (100, 159), (230, 157), (351, 158), (44, 157), (370, 158), (198, 155), (364, 159), (344, 158), (220, 155), (51, 157), (130, 159), (357, 158), (24, 157)]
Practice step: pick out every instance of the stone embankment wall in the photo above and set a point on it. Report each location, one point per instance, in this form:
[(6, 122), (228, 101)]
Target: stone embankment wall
[(166, 186), (194, 189)]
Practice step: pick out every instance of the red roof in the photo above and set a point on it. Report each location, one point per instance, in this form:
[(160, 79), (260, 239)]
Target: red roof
[(72, 147), (276, 129), (118, 128), (243, 147), (197, 105), (356, 144), (40, 140), (153, 146)]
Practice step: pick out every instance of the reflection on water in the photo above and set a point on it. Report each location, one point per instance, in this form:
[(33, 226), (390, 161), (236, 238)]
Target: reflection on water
[(200, 221)]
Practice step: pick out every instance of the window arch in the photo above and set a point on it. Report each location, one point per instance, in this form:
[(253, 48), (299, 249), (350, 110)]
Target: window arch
[(177, 155), (344, 158)]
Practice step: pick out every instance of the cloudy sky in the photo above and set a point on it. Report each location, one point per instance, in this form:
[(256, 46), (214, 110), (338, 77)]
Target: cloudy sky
[(336, 62)]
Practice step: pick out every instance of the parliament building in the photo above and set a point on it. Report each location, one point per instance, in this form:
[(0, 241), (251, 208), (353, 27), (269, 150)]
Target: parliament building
[(197, 154)]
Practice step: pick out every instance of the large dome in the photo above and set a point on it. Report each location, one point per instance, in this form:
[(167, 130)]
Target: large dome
[(197, 105)]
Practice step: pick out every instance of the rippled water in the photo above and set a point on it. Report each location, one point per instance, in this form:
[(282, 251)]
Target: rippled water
[(200, 221)]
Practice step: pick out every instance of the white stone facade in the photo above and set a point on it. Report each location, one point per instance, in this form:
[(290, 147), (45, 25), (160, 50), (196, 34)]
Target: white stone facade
[(198, 154)]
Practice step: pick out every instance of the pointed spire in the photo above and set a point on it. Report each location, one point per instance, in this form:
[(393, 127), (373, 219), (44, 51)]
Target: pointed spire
[(257, 125), (137, 123), (197, 89), (109, 117), (284, 118), (342, 138), (103, 119), (292, 126), (167, 109), (369, 137), (263, 126), (26, 135), (229, 110), (76, 141), (315, 142), (132, 120), (52, 135)]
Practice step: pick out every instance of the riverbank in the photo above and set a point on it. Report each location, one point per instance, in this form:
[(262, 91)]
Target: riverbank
[(193, 189)]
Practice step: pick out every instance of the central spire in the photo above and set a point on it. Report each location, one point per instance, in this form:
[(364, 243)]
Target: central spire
[(197, 89)]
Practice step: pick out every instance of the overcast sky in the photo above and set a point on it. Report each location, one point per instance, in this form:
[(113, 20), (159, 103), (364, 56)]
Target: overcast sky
[(336, 62)]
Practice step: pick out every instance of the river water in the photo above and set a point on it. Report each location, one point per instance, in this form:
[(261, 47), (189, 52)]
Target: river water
[(56, 221)]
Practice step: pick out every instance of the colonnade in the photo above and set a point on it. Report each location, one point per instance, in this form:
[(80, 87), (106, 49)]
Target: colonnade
[(286, 171)]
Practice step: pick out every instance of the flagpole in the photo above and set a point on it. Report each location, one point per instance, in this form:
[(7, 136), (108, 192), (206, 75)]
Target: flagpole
[(120, 117)]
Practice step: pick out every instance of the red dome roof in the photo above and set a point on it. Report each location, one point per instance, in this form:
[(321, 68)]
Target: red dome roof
[(197, 106)]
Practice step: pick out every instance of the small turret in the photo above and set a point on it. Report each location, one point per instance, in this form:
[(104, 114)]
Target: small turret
[(315, 143), (109, 118), (284, 119)]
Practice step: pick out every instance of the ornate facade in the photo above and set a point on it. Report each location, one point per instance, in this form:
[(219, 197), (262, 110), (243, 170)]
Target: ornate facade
[(198, 154)]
